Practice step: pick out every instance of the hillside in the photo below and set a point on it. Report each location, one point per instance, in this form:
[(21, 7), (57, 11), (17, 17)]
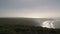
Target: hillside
[(24, 29)]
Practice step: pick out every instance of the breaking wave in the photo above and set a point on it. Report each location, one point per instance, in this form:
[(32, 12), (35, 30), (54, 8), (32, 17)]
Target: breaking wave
[(48, 24)]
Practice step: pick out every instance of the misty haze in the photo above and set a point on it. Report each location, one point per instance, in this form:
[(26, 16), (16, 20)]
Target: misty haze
[(29, 16)]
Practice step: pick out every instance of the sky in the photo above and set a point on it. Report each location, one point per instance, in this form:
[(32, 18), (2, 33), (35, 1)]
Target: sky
[(30, 8)]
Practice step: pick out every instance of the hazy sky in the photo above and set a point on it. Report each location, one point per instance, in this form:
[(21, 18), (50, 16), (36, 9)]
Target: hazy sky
[(30, 8)]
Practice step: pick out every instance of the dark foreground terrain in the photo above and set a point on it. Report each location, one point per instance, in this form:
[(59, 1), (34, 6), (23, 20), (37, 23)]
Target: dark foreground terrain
[(24, 26), (24, 29)]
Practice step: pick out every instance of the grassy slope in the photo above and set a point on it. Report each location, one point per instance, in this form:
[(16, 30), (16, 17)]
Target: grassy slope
[(23, 29)]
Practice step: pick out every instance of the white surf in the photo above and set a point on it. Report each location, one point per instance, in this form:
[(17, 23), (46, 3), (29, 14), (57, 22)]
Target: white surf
[(48, 24)]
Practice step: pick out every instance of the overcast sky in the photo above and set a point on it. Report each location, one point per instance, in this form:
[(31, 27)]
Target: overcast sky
[(30, 8)]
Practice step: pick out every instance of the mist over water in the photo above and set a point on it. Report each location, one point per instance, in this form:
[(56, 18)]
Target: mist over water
[(48, 24), (55, 23), (44, 22)]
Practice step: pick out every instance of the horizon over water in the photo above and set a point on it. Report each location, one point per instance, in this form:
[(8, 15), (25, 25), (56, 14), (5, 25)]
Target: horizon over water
[(44, 22)]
